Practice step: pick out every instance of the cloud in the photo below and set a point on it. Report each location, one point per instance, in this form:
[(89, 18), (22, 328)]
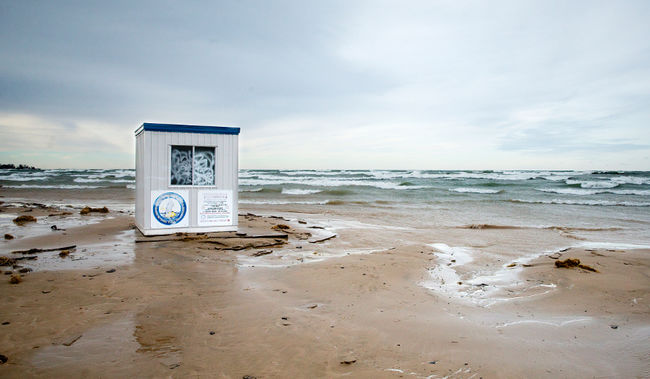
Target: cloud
[(77, 143), (439, 84)]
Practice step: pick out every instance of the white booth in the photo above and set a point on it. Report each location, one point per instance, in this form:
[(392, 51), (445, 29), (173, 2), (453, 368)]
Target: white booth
[(186, 178)]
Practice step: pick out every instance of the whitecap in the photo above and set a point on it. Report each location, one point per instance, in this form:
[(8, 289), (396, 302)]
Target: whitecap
[(593, 184), (587, 192), (61, 186), (475, 190), (281, 202), (297, 191), (584, 202)]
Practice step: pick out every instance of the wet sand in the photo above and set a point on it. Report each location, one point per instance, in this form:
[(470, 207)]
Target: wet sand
[(372, 302)]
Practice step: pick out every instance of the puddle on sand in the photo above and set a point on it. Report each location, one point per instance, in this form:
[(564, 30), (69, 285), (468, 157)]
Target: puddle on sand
[(477, 284), (281, 258), (43, 225), (110, 346), (158, 344), (104, 346), (116, 251)]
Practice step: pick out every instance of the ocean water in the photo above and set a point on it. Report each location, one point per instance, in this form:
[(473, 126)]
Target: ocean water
[(591, 200)]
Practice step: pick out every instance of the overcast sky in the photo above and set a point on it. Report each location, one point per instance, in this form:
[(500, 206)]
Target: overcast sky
[(327, 84)]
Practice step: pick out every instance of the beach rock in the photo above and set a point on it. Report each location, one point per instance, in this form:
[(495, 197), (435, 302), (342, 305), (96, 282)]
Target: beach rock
[(15, 279), (9, 236), (110, 271), (249, 377), (614, 326), (3, 359), (25, 270), (348, 360), (22, 220), (86, 210), (280, 227), (6, 261), (64, 253)]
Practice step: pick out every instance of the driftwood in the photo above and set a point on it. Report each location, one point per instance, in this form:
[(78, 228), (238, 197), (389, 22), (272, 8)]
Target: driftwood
[(245, 247), (208, 239), (36, 250), (322, 239)]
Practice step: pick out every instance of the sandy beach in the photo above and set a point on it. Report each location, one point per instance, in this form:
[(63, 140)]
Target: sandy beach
[(321, 295), (325, 189)]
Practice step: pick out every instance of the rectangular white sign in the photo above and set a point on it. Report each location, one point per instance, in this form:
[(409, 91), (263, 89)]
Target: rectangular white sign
[(169, 209), (215, 208)]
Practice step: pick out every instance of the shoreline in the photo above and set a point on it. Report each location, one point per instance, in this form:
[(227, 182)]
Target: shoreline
[(293, 313)]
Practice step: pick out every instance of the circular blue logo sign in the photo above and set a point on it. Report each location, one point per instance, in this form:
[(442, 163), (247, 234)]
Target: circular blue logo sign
[(169, 208)]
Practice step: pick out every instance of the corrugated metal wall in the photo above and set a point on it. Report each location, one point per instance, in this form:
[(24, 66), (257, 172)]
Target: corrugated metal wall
[(153, 173)]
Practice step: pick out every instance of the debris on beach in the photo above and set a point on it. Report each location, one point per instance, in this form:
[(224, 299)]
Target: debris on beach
[(588, 268), (567, 263), (262, 252), (72, 340), (6, 261), (56, 228), (22, 220), (15, 279), (86, 210), (8, 236), (282, 227), (59, 214), (573, 262), (3, 359), (318, 240), (37, 250), (64, 253)]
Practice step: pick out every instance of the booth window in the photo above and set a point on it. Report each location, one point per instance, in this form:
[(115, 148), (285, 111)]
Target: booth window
[(192, 165)]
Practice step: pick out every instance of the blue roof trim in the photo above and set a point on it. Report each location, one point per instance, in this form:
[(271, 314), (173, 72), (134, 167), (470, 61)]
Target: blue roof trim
[(178, 128)]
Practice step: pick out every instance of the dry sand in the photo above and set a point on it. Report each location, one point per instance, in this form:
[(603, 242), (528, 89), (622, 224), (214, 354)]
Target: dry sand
[(356, 305)]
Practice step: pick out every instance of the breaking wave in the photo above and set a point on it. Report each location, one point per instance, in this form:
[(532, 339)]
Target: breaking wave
[(476, 190)]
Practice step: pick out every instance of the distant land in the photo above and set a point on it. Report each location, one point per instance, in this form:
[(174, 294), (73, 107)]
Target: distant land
[(11, 166)]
